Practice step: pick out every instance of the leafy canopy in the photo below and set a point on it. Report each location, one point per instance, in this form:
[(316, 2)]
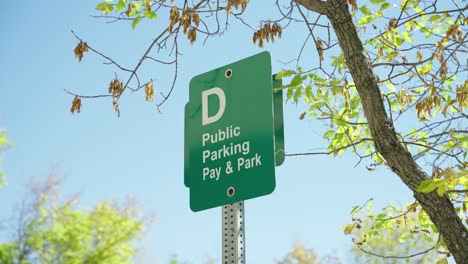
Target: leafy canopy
[(54, 230)]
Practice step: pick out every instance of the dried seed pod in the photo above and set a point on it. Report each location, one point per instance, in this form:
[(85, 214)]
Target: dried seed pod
[(80, 49), (76, 105)]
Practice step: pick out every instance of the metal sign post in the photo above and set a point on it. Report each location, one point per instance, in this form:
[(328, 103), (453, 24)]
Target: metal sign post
[(233, 215), (234, 138), (233, 233)]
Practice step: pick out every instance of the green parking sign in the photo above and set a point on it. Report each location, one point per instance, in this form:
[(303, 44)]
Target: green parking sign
[(230, 134)]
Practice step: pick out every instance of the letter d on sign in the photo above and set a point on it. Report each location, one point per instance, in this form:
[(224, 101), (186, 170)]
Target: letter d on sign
[(222, 104)]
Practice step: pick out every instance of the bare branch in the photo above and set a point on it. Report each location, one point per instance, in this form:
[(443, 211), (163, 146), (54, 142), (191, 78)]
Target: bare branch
[(102, 55), (400, 257), (329, 152)]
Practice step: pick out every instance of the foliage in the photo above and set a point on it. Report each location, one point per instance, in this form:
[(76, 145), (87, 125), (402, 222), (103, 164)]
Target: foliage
[(175, 260), (53, 230), (399, 235), (420, 78), (303, 255), (421, 83), (3, 145)]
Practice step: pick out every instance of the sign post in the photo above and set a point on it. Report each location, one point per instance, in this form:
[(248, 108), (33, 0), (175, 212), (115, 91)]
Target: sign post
[(233, 234), (234, 137)]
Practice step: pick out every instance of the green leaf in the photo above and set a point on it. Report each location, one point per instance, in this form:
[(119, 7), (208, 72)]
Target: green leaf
[(349, 228), (382, 216), (328, 134), (317, 105), (365, 10), (105, 7), (136, 5), (463, 180), (442, 261), (356, 209), (308, 95), (297, 95), (355, 101), (392, 55), (296, 80), (441, 191), (136, 20), (135, 12), (284, 73), (315, 77), (407, 37), (425, 69), (428, 186), (384, 6), (289, 93), (121, 5), (397, 40), (150, 15), (457, 136), (365, 20), (390, 86), (3, 140), (404, 236), (434, 18), (376, 2)]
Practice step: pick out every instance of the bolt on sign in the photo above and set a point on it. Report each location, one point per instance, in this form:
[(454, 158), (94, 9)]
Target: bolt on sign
[(230, 128)]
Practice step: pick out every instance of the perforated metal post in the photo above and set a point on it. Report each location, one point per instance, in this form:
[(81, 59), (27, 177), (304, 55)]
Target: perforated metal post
[(233, 234)]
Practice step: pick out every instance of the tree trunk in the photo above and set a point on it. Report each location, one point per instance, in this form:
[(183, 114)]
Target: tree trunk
[(439, 209)]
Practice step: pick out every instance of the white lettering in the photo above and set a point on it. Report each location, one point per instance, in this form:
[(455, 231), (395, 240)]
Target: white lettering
[(212, 173), (249, 163), (226, 151), (220, 135), (222, 105), (205, 137), (206, 154)]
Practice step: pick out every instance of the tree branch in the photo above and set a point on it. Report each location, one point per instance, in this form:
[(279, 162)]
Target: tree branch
[(401, 257), (317, 6), (331, 151)]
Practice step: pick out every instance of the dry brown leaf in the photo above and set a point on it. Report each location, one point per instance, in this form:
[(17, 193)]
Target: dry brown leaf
[(196, 18), (267, 33), (116, 108), (173, 18), (392, 24), (76, 105), (236, 4), (149, 91), (419, 55), (80, 49), (302, 116), (129, 10), (462, 95), (452, 32), (115, 87), (353, 5), (192, 35), (320, 47)]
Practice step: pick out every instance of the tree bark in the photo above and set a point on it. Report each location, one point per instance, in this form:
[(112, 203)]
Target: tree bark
[(439, 209)]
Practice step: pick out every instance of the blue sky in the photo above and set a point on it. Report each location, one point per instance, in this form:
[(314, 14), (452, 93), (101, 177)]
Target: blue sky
[(141, 153)]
